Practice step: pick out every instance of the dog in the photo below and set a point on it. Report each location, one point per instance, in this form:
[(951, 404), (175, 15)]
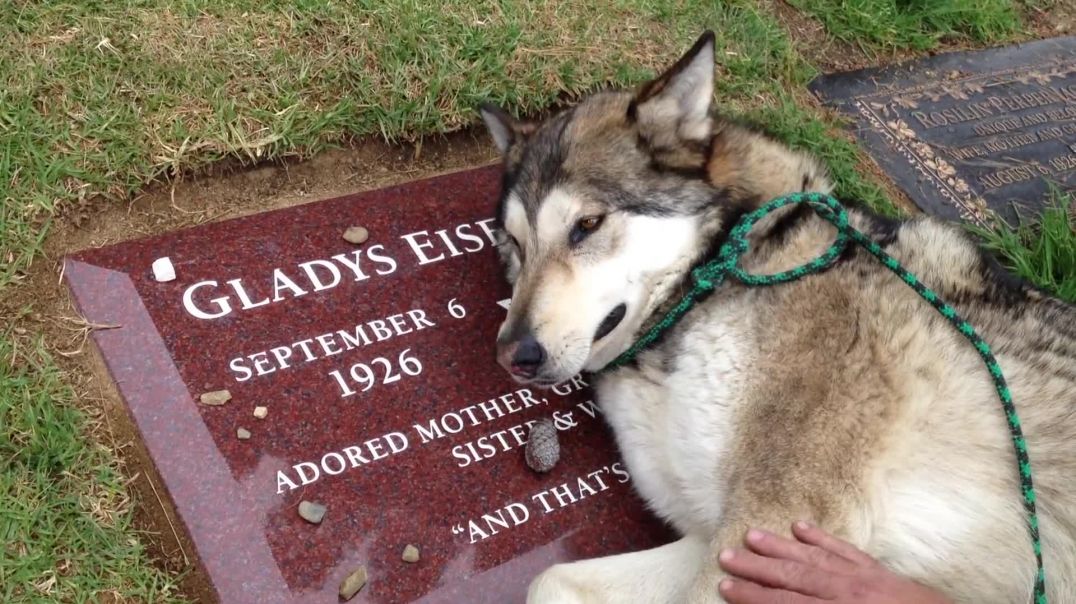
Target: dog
[(841, 398)]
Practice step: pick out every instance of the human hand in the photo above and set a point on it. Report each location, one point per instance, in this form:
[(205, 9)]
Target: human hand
[(815, 567)]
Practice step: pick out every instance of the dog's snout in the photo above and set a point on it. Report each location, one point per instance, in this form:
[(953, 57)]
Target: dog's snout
[(524, 357)]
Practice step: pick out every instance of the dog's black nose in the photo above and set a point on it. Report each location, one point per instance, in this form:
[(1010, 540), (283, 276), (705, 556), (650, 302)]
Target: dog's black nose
[(528, 357)]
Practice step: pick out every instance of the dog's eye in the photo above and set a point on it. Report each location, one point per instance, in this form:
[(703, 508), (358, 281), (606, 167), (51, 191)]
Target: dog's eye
[(585, 226)]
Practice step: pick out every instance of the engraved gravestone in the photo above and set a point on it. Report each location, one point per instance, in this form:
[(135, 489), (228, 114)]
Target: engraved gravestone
[(965, 132), (362, 378)]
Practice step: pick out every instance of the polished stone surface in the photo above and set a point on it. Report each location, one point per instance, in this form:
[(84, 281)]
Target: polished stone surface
[(967, 131), (384, 403)]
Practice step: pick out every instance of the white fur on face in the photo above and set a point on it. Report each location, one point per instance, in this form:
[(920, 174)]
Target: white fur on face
[(515, 218), (571, 296), (654, 251), (515, 223)]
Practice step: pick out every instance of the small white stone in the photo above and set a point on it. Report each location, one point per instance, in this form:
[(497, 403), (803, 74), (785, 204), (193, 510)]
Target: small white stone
[(261, 412), (215, 398), (410, 554), (311, 512), (353, 583), (356, 234), (242, 434), (163, 271)]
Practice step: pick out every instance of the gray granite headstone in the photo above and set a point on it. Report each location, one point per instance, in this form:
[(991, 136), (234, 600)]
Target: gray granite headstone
[(965, 132)]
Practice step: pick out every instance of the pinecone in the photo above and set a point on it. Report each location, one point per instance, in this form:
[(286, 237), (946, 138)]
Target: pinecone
[(543, 450)]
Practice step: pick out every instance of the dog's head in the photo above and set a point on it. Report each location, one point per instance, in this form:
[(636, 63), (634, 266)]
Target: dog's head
[(602, 210)]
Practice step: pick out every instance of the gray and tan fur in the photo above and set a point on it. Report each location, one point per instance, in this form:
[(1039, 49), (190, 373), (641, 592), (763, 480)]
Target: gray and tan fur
[(840, 398)]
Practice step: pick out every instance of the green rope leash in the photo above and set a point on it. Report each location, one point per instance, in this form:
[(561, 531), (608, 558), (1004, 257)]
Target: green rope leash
[(711, 275)]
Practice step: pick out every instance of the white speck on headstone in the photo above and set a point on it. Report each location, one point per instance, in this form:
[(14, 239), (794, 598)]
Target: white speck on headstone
[(543, 449), (261, 412), (356, 235), (410, 554), (215, 398), (163, 271), (353, 583), (242, 434), (311, 512)]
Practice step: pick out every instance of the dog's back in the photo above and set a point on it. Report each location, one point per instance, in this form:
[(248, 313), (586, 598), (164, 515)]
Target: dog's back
[(861, 390)]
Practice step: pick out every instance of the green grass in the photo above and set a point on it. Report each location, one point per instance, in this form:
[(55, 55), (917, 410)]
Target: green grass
[(914, 24), (65, 515), (1043, 251), (99, 98)]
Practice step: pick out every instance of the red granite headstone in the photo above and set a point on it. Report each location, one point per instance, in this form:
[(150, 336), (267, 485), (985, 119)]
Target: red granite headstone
[(375, 363)]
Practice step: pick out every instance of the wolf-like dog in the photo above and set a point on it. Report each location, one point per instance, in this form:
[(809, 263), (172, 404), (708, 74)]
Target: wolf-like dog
[(841, 398)]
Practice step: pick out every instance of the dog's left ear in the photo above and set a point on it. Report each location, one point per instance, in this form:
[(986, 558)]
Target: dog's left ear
[(505, 130), (678, 101)]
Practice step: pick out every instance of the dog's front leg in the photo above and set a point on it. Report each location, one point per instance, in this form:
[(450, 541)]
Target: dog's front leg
[(660, 575), (703, 589)]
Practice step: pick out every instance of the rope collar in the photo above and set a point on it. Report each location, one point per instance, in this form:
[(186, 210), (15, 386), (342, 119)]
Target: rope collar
[(710, 275)]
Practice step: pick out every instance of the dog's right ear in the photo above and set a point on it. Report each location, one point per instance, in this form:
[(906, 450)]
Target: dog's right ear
[(676, 105), (505, 130)]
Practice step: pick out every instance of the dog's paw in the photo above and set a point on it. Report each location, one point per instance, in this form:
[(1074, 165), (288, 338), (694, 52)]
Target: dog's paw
[(557, 586)]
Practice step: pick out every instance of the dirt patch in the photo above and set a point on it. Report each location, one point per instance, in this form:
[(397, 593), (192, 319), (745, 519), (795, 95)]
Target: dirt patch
[(224, 191), (827, 53), (40, 304), (811, 41), (1057, 20)]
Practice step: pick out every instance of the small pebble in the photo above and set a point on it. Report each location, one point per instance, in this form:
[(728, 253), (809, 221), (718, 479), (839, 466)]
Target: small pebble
[(356, 235), (215, 398), (261, 412), (543, 449), (242, 434), (353, 583), (163, 271), (311, 512), (410, 554)]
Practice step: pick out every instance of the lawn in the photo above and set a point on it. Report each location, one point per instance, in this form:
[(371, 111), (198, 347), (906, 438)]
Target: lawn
[(1042, 251), (913, 24), (65, 515), (103, 97), (98, 99)]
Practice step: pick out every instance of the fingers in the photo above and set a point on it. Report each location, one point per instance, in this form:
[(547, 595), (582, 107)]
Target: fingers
[(776, 546), (776, 572), (812, 535), (739, 591)]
